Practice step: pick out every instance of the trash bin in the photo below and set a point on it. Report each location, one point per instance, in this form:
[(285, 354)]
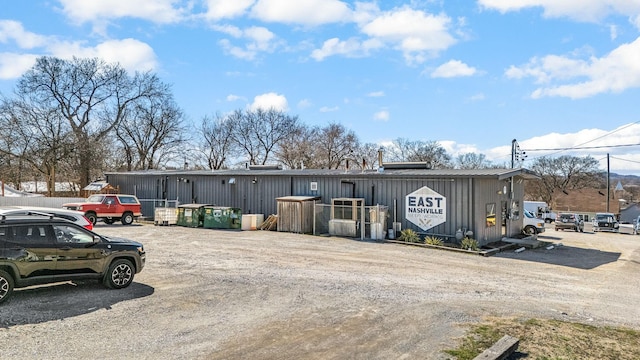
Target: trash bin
[(191, 215), (218, 217)]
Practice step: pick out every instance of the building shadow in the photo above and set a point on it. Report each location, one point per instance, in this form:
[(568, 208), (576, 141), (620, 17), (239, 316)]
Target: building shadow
[(569, 256)]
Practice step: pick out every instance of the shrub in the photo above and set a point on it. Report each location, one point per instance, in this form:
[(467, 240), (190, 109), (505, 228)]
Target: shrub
[(433, 240), (408, 235), (469, 244)]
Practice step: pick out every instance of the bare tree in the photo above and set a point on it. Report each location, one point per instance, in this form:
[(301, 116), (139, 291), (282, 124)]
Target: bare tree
[(419, 151), (91, 95), (298, 149), (151, 131), (259, 132), (216, 141), (367, 154), (472, 161), (34, 136), (562, 174), (335, 146)]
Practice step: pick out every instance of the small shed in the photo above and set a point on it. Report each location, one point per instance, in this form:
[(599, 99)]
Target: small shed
[(100, 187), (295, 213)]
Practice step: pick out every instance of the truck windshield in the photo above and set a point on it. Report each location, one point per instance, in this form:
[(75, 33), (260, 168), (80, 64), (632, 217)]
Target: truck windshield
[(95, 198)]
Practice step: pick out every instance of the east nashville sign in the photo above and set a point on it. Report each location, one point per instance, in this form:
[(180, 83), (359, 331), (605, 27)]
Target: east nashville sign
[(426, 208)]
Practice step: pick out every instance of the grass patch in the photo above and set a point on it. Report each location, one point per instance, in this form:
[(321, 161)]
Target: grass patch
[(542, 339)]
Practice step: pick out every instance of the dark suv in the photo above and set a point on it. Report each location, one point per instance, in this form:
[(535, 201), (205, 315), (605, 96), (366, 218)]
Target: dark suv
[(569, 221), (39, 248)]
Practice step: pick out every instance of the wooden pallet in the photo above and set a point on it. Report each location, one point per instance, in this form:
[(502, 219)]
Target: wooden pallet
[(271, 223)]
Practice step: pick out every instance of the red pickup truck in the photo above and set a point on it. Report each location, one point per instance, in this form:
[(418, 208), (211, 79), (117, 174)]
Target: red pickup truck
[(109, 208)]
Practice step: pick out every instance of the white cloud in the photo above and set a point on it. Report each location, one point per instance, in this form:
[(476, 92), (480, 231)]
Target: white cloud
[(232, 97), (220, 9), (349, 48), (416, 33), (382, 115), (304, 103), (376, 94), (325, 109), (581, 10), (132, 54), (270, 101), (259, 39), (596, 143), (157, 11), (453, 68), (14, 31), (615, 72), (477, 97), (12, 66), (304, 12)]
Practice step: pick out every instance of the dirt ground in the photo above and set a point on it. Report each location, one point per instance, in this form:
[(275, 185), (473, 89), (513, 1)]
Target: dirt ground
[(217, 294)]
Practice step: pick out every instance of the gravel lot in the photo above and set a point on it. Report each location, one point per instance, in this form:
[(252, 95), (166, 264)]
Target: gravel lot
[(216, 294)]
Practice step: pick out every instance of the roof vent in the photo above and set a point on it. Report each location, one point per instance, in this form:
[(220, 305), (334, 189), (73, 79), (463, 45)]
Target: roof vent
[(265, 167)]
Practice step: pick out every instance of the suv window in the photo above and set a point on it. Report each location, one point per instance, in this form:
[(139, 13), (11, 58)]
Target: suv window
[(72, 234), (127, 200), (30, 234)]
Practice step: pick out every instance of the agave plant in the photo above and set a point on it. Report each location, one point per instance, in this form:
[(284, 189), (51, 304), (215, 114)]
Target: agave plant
[(408, 235), (469, 244), (433, 240)]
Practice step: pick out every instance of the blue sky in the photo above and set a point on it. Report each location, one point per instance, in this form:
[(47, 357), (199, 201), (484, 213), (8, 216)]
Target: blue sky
[(473, 75)]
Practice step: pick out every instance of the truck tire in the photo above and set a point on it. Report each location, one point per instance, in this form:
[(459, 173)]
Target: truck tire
[(91, 216), (127, 218)]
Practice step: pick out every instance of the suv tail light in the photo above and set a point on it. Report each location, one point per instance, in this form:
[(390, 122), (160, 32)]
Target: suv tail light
[(89, 225)]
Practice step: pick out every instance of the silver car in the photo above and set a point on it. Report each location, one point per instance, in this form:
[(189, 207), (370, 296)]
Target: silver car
[(71, 215)]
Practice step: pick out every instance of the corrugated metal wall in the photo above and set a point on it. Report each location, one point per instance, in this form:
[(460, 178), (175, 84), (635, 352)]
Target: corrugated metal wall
[(256, 194)]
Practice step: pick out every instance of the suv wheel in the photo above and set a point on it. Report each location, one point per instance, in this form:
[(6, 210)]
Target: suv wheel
[(120, 274), (127, 218), (6, 285)]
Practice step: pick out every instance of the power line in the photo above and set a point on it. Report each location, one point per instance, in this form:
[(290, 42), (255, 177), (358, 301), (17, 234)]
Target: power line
[(627, 160), (584, 147), (579, 146)]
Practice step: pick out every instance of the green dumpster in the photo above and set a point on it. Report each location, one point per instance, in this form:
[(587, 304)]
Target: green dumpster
[(191, 215), (218, 217)]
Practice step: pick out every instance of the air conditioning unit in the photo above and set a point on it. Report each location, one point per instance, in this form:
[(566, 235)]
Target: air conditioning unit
[(339, 227)]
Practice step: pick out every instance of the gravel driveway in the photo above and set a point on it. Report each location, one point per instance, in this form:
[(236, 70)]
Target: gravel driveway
[(216, 294)]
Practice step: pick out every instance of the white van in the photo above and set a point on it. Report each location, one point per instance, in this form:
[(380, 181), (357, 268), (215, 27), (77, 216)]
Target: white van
[(532, 225)]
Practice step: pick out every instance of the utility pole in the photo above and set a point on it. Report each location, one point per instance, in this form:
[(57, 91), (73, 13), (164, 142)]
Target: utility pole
[(516, 154), (608, 182)]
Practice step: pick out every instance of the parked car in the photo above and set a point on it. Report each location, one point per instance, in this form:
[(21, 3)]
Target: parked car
[(40, 248), (531, 224), (71, 215), (108, 208), (605, 222), (636, 226), (569, 221)]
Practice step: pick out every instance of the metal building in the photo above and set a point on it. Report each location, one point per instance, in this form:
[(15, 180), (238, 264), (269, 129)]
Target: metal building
[(485, 201)]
